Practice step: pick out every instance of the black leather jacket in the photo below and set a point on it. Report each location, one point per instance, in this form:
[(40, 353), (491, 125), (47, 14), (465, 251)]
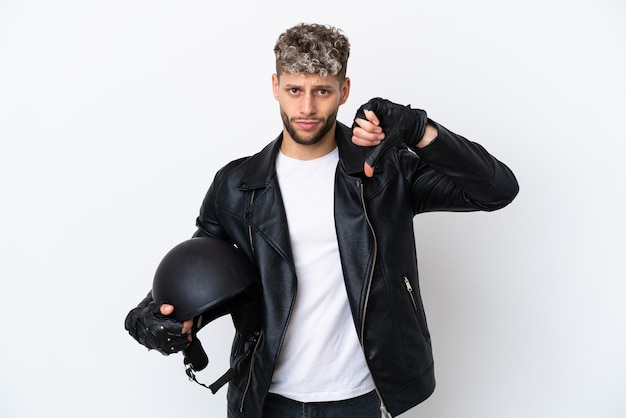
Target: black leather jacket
[(374, 223)]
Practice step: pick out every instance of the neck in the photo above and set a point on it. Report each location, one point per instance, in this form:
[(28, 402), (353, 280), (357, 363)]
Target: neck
[(292, 149)]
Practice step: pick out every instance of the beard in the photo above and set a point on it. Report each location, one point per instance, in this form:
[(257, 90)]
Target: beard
[(314, 137)]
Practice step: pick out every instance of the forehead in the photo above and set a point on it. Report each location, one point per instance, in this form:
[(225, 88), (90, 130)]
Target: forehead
[(308, 80)]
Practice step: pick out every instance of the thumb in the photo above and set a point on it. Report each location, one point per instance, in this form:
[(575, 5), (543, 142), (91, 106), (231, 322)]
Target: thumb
[(372, 159), (167, 309)]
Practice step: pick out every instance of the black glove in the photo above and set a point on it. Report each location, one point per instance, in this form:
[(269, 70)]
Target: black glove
[(401, 124), (156, 331)]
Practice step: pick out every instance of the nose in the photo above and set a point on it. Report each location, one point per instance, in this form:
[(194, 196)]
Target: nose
[(307, 105)]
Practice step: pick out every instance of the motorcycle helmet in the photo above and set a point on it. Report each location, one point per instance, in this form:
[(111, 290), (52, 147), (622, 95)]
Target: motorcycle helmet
[(205, 278)]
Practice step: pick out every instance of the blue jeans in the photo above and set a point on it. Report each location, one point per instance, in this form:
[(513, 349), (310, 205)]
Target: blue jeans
[(364, 406)]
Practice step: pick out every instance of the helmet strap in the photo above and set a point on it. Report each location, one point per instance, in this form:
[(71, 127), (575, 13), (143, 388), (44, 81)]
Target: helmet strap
[(233, 371), (191, 373), (244, 313)]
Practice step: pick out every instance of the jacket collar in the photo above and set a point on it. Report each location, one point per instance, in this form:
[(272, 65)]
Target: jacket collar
[(262, 166)]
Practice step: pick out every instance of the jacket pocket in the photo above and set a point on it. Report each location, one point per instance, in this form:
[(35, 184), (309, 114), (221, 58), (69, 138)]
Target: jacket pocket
[(418, 310)]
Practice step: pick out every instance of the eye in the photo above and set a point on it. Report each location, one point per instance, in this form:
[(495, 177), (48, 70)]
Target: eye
[(323, 92), (294, 90)]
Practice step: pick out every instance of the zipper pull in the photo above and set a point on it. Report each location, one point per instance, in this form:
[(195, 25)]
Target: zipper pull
[(408, 284)]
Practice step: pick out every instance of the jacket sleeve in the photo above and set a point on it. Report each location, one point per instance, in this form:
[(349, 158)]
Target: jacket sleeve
[(455, 174), (207, 222)]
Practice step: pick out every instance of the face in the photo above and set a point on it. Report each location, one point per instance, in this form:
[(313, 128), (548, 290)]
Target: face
[(309, 105)]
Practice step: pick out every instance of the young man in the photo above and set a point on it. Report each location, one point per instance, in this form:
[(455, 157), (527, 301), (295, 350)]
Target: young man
[(325, 212)]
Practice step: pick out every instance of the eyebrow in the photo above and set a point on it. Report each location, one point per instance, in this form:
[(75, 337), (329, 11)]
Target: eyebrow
[(317, 86)]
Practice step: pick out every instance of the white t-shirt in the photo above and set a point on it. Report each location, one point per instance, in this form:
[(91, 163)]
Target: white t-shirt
[(321, 359)]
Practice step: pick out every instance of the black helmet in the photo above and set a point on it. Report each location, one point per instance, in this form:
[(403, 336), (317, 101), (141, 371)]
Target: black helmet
[(205, 278)]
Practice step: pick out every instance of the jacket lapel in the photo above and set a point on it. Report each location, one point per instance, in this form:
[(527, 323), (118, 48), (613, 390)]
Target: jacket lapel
[(265, 211)]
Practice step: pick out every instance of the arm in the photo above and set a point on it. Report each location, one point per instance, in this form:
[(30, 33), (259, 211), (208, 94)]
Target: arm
[(485, 182), (462, 171)]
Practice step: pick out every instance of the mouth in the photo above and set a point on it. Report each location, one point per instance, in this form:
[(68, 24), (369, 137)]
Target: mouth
[(307, 124)]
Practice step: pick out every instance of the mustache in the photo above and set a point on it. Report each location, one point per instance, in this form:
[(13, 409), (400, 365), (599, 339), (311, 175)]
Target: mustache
[(307, 119)]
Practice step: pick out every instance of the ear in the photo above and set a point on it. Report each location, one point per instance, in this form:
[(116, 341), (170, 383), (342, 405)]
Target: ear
[(275, 84), (345, 90)]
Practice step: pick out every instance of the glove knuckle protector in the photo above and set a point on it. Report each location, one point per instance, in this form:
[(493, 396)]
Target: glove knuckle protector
[(155, 331), (401, 124)]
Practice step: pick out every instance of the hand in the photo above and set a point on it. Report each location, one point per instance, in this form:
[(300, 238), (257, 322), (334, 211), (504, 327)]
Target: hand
[(383, 124), (367, 133), (151, 327), (167, 309)]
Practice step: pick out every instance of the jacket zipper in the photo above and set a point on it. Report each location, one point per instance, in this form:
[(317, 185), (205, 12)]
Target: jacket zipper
[(245, 391), (250, 226), (420, 320), (252, 357), (383, 408), (409, 289)]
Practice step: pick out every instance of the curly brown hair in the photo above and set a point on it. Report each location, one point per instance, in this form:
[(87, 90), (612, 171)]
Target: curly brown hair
[(313, 49)]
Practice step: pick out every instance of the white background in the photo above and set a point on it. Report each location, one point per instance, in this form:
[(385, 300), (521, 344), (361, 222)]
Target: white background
[(115, 115)]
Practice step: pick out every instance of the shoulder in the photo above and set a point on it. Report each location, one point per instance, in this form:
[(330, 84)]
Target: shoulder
[(255, 169)]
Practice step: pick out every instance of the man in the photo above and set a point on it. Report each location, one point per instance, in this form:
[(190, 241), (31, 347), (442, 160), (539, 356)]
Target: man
[(326, 212)]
